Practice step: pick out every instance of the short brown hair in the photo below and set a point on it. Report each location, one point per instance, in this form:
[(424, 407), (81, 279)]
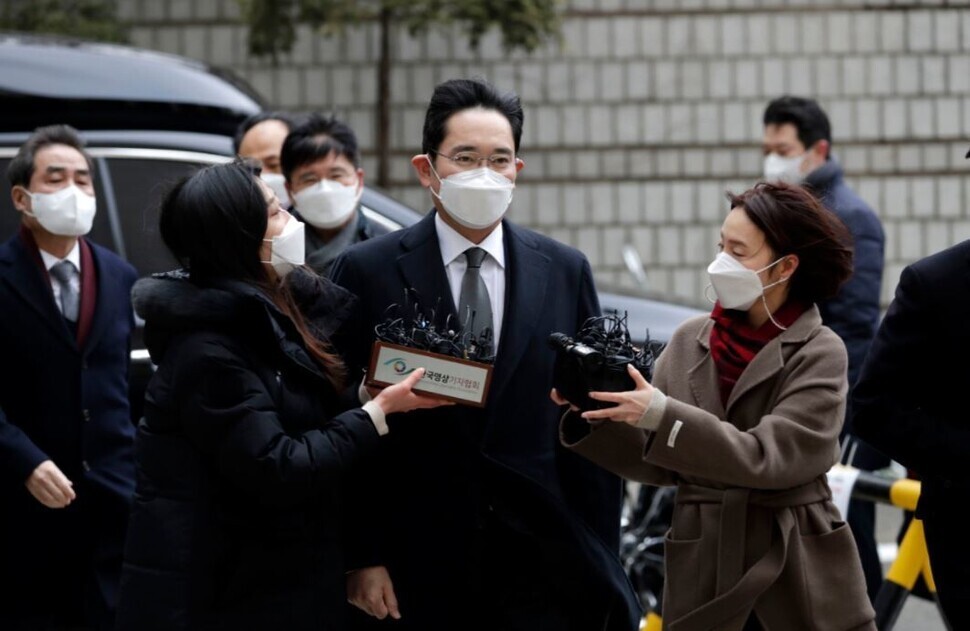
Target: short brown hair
[(795, 222)]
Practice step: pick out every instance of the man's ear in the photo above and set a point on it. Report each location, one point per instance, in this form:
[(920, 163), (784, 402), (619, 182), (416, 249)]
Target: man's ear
[(422, 166), (821, 150), (20, 198)]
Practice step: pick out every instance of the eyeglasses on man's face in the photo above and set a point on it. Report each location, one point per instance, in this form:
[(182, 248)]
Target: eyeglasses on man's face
[(471, 160)]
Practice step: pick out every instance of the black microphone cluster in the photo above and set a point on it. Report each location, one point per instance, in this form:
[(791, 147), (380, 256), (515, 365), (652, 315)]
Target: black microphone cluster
[(415, 328), (597, 359)]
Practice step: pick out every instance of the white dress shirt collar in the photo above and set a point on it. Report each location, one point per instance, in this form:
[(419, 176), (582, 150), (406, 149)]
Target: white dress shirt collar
[(453, 244), (74, 256)]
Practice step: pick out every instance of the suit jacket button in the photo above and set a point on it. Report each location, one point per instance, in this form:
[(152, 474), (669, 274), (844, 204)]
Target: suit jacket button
[(86, 413), (85, 465)]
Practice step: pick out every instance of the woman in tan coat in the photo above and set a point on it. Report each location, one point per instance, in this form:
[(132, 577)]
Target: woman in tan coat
[(743, 416)]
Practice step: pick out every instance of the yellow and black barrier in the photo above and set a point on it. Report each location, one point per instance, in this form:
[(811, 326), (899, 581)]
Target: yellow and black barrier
[(912, 559)]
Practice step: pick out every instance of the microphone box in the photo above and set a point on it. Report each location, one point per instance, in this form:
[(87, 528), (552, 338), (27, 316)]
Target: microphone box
[(450, 378)]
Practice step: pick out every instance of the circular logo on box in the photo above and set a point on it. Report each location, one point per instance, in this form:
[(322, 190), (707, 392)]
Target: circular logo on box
[(398, 365)]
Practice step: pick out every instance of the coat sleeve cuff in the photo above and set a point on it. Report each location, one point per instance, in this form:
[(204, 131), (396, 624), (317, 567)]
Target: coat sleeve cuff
[(654, 413)]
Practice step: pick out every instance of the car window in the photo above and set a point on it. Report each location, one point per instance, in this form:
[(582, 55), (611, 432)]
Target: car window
[(139, 184)]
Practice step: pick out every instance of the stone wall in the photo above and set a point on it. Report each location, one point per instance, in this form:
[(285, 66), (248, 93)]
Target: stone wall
[(650, 110)]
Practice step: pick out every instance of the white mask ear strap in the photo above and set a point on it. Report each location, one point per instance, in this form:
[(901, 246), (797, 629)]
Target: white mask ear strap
[(30, 196), (707, 293), (771, 317), (432, 167)]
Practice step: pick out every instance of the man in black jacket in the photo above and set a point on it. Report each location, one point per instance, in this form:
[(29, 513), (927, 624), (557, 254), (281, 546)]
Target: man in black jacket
[(910, 403), (469, 518), (66, 439)]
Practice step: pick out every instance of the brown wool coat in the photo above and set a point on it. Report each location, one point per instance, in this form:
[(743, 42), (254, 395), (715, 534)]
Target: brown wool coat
[(754, 527)]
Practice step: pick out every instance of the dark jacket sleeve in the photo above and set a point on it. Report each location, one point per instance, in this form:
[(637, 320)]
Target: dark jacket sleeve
[(230, 415), (19, 455), (363, 532), (889, 401)]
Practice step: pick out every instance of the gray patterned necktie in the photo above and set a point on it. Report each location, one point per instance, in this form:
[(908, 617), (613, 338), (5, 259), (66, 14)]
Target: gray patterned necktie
[(474, 306), (63, 273)]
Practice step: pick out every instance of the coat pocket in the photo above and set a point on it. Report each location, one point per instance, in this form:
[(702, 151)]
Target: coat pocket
[(686, 576), (834, 583)]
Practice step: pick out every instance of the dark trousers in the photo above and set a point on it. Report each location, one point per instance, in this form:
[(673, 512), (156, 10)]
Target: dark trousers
[(525, 584), (511, 581), (62, 566), (862, 523), (949, 550)]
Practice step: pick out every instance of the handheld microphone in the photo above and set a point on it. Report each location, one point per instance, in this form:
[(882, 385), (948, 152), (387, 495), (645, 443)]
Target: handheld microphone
[(564, 343)]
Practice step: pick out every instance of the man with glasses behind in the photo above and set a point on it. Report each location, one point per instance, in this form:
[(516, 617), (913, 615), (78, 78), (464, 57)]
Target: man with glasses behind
[(324, 179), (477, 518)]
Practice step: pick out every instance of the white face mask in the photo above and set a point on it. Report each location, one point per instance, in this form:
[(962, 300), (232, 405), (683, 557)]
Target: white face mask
[(68, 212), (287, 249), (736, 286), (278, 184), (477, 198), (779, 169), (327, 204)]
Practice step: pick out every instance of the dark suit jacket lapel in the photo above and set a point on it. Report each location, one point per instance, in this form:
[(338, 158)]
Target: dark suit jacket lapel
[(27, 280), (423, 271), (526, 277)]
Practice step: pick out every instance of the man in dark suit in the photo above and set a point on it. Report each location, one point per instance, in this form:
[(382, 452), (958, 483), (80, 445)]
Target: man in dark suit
[(909, 403), (477, 518), (66, 462)]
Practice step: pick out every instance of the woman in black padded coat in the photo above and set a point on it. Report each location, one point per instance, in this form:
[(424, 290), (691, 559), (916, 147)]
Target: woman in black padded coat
[(245, 441)]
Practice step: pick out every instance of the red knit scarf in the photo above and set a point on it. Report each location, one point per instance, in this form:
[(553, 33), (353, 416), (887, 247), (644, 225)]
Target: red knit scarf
[(734, 343)]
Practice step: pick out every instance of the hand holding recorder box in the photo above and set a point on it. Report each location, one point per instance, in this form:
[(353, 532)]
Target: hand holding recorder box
[(445, 377)]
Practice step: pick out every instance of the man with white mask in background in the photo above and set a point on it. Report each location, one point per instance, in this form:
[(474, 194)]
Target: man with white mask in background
[(797, 149), (320, 162), (66, 438), (477, 518), (259, 139)]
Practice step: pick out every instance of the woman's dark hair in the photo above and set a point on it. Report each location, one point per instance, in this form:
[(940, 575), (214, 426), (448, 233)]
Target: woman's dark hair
[(317, 138), (456, 95), (795, 222), (213, 222)]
